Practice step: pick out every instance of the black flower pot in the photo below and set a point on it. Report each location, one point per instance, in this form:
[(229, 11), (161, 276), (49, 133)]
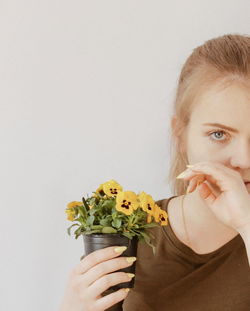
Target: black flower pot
[(93, 242)]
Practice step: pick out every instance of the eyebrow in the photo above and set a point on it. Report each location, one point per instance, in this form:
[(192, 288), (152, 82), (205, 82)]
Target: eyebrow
[(222, 126)]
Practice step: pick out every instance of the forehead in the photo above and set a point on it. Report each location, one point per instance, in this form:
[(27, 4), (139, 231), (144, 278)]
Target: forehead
[(230, 104)]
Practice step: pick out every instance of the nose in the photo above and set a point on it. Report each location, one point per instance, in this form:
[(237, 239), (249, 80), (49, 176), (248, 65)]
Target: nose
[(240, 158)]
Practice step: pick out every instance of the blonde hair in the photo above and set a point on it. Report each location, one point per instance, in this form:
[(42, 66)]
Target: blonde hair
[(222, 61)]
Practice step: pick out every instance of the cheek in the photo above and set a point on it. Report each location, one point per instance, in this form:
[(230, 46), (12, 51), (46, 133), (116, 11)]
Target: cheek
[(201, 149)]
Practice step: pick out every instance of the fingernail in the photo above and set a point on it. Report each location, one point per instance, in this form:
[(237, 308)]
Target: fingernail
[(130, 275), (189, 165), (127, 290), (131, 259), (120, 249), (182, 175), (187, 191)]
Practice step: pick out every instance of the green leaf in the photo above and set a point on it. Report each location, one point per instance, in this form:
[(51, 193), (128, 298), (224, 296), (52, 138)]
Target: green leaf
[(146, 237), (150, 225), (85, 203), (90, 220), (92, 201), (128, 235), (148, 241), (108, 203), (80, 219), (94, 227), (93, 231), (78, 232), (104, 222), (68, 230), (109, 230), (82, 211), (117, 223), (92, 211)]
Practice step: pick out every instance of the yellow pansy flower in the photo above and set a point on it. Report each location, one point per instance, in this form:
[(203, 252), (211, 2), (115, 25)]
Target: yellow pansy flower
[(126, 202), (71, 214), (74, 203), (70, 209), (146, 202), (149, 218), (100, 188), (111, 188), (160, 216)]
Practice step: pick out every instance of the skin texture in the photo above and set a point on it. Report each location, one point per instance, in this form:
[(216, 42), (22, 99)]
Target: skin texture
[(227, 153)]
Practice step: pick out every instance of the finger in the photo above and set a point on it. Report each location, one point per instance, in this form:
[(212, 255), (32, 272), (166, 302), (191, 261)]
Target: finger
[(221, 167), (206, 193), (217, 170), (105, 282), (194, 183), (94, 258), (199, 177), (220, 178), (109, 300), (190, 173), (102, 269), (215, 189)]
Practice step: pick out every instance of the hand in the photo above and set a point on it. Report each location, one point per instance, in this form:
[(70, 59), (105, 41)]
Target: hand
[(223, 190), (91, 277)]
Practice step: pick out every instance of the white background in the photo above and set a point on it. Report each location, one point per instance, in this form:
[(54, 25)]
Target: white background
[(86, 94)]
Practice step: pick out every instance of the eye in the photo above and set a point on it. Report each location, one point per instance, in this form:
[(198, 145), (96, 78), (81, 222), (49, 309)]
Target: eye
[(218, 136)]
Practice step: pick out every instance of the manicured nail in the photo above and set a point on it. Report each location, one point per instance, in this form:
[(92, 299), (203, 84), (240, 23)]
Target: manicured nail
[(130, 275), (127, 290), (187, 191), (189, 165), (131, 259), (182, 175), (120, 249)]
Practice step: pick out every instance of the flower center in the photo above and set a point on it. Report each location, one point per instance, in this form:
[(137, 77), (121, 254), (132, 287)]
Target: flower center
[(113, 190), (125, 204)]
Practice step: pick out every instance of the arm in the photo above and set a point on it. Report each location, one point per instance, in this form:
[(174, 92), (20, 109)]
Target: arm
[(245, 234)]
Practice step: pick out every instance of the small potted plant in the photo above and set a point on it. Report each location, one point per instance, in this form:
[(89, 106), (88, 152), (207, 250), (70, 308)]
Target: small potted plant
[(113, 217)]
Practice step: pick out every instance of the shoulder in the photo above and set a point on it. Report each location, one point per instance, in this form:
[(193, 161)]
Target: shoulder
[(165, 203), (172, 205)]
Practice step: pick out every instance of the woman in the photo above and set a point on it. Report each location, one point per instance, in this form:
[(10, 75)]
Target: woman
[(202, 260)]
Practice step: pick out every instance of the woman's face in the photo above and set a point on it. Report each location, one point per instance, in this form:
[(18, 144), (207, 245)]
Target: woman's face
[(219, 129)]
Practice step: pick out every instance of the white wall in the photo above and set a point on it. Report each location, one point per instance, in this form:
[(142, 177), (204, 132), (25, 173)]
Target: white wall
[(86, 95)]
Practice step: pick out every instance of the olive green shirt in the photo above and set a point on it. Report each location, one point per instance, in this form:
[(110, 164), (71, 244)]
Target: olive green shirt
[(178, 279)]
